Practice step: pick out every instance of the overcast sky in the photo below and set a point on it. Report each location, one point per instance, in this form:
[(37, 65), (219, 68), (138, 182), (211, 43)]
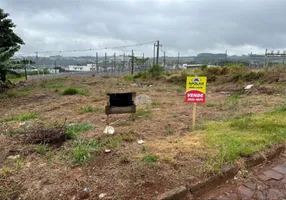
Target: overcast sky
[(185, 26)]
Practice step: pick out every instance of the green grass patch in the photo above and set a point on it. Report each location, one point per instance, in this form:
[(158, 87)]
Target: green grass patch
[(72, 131), (42, 149), (236, 96), (17, 92), (52, 85), (74, 91), (143, 113), (211, 105), (22, 117), (128, 77), (83, 151), (17, 132), (169, 131), (17, 79), (83, 92), (245, 135), (150, 158), (180, 89), (155, 104), (88, 109), (70, 91)]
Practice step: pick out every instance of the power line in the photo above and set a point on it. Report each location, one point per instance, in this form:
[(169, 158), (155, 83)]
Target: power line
[(83, 50)]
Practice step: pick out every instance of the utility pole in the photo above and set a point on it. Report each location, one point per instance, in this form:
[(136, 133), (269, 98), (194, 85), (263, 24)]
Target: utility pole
[(178, 59), (123, 67), (105, 61), (37, 63), (25, 67), (164, 59), (283, 58), (114, 61), (96, 62), (154, 54), (132, 63), (225, 56), (265, 61), (158, 46), (250, 59), (55, 66), (143, 65)]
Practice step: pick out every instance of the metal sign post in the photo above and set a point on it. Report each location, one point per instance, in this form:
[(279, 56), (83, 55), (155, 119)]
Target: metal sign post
[(196, 93)]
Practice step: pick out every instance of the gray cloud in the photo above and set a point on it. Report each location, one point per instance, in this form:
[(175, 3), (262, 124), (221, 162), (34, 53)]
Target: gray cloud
[(189, 27)]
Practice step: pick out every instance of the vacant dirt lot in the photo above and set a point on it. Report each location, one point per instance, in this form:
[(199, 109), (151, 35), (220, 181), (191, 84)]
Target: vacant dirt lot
[(172, 153)]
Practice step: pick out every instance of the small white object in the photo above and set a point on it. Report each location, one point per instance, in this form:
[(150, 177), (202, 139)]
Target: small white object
[(140, 141), (235, 178), (248, 87), (109, 130), (102, 195), (22, 123), (107, 150), (13, 157), (85, 189)]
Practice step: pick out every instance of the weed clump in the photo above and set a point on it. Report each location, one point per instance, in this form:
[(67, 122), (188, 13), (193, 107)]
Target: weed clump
[(150, 158), (70, 91), (72, 130)]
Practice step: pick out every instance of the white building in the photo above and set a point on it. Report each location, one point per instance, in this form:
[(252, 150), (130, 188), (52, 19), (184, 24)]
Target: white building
[(84, 68)]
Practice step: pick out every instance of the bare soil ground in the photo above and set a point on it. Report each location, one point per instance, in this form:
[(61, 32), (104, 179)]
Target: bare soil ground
[(165, 126)]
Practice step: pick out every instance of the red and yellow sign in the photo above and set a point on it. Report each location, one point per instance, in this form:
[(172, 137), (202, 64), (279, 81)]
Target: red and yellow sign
[(196, 87)]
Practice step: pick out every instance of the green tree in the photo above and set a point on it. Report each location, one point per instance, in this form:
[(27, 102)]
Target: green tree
[(139, 62), (8, 38), (6, 63), (9, 44)]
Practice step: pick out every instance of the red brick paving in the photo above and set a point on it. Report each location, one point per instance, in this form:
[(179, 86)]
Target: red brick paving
[(263, 182)]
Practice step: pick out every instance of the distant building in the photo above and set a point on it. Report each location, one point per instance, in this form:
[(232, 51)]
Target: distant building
[(84, 68)]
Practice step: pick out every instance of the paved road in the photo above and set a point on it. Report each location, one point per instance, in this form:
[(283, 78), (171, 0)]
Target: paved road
[(77, 74), (263, 182)]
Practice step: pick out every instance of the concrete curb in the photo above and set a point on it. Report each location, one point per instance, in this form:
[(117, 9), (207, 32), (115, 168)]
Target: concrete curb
[(228, 172), (174, 194)]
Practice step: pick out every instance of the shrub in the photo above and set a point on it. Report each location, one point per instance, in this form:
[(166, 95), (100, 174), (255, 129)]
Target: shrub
[(71, 91), (156, 71), (142, 75), (128, 77), (239, 70), (214, 71), (253, 76)]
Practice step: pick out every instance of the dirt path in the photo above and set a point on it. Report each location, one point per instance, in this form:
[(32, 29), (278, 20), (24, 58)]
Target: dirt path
[(264, 182)]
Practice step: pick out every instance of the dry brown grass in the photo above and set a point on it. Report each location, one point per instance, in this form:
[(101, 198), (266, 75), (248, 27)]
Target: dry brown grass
[(181, 153)]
